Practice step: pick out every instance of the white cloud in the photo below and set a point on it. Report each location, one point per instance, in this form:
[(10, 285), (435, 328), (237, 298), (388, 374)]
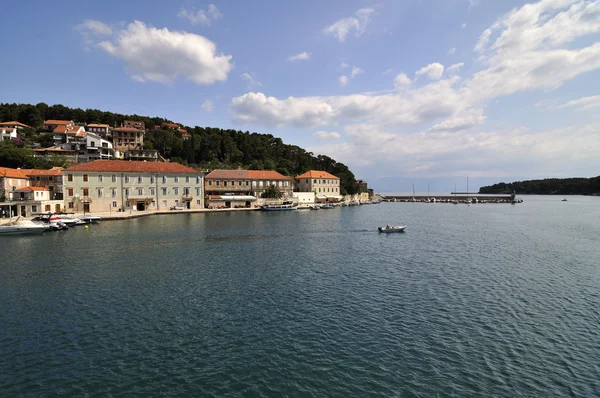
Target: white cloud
[(327, 135), (252, 82), (560, 152), (343, 65), (356, 71), (387, 71), (454, 68), (138, 78), (434, 71), (95, 27), (357, 24), (401, 80), (162, 55), (208, 106), (299, 57), (201, 17), (463, 26), (343, 80), (452, 50), (460, 123), (582, 104)]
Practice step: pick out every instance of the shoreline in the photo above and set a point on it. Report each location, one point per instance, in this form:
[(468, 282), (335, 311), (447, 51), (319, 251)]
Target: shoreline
[(112, 216)]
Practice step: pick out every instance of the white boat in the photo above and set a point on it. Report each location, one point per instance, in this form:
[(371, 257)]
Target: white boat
[(285, 206), (22, 227), (392, 228), (91, 219), (315, 207), (327, 206), (51, 221)]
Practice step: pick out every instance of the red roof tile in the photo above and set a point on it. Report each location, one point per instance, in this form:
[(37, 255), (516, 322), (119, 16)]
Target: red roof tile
[(14, 173), (97, 125), (13, 123), (246, 174), (61, 128), (132, 167), (30, 189), (317, 174), (55, 171), (58, 122)]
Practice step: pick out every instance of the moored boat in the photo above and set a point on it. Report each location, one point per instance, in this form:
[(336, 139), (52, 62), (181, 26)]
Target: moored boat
[(284, 206), (22, 227)]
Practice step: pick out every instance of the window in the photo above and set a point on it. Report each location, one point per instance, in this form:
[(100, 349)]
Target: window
[(99, 177), (186, 192), (260, 183), (85, 177), (164, 191), (164, 203), (114, 178), (151, 179), (176, 191), (306, 181), (37, 193), (240, 182), (86, 192), (198, 191), (50, 178), (140, 179), (114, 204), (126, 191), (217, 182), (198, 202), (113, 192), (176, 179), (247, 183), (34, 209), (187, 178), (315, 181), (70, 205), (140, 191), (100, 192), (69, 191), (152, 191), (69, 177), (164, 179), (224, 183), (126, 178), (210, 183), (126, 203), (198, 180), (37, 178), (319, 189)]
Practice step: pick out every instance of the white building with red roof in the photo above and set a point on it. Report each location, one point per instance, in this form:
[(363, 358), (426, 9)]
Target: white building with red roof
[(120, 185), (326, 186)]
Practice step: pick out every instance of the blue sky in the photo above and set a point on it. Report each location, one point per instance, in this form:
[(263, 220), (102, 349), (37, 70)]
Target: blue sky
[(401, 91)]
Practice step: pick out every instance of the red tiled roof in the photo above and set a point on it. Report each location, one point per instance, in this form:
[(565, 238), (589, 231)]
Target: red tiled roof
[(53, 148), (30, 189), (61, 128), (317, 174), (127, 130), (58, 122), (13, 123), (183, 131), (97, 125), (172, 125), (132, 167), (55, 171), (246, 174), (14, 173)]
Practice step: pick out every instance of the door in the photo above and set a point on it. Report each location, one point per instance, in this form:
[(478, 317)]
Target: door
[(57, 208), (188, 205), (141, 206), (86, 207), (24, 211)]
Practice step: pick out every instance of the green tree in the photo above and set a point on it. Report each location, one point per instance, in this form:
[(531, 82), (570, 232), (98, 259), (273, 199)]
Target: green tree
[(271, 193)]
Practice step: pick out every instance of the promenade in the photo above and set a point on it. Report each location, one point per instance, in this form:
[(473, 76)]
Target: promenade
[(114, 215)]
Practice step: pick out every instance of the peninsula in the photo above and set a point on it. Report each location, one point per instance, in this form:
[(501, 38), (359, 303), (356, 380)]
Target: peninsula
[(548, 186)]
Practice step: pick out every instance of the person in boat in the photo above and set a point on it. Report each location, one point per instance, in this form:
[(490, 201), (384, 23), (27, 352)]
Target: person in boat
[(387, 227)]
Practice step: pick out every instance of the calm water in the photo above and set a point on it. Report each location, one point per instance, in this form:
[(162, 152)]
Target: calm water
[(481, 300)]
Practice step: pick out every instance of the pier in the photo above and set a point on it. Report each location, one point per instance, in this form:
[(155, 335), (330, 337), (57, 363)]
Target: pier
[(451, 198)]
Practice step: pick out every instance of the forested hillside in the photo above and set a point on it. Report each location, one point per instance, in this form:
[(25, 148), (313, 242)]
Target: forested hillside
[(549, 186), (209, 148)]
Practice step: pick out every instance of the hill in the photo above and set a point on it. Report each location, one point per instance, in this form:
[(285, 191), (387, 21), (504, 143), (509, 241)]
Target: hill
[(208, 148), (549, 186)]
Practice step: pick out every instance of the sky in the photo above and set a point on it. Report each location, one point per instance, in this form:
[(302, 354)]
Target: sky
[(402, 91)]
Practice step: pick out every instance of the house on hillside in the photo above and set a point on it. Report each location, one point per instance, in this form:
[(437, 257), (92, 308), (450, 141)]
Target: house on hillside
[(15, 125), (103, 130), (119, 185), (7, 133), (127, 138), (134, 124)]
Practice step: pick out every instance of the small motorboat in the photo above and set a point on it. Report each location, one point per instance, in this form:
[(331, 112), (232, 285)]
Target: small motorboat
[(327, 206), (564, 200), (315, 207), (20, 227), (392, 228)]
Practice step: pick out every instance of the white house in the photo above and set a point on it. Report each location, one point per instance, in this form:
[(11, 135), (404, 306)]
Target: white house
[(7, 133)]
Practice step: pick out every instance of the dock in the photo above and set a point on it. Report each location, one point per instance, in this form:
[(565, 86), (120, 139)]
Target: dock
[(451, 198)]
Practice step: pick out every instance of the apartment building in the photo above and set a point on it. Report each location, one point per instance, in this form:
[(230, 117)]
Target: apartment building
[(103, 130), (49, 179), (134, 124), (119, 185), (127, 138)]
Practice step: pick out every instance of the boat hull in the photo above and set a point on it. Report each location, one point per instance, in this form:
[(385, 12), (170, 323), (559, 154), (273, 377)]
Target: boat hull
[(391, 229)]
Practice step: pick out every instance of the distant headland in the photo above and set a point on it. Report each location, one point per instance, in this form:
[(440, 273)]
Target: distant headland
[(548, 186)]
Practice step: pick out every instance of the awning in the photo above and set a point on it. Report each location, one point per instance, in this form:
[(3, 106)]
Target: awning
[(140, 197), (334, 196), (233, 197), (321, 197)]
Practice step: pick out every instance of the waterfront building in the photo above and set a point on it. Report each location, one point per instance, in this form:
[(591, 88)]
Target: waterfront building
[(119, 185), (362, 185), (31, 200), (326, 186), (222, 185), (11, 180), (50, 179), (102, 130)]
